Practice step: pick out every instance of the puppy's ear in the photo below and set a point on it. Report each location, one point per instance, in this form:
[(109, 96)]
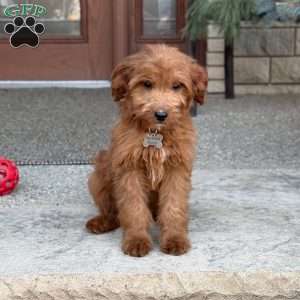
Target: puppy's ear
[(120, 79), (200, 81)]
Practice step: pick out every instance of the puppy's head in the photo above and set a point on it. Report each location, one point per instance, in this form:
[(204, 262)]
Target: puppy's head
[(156, 86)]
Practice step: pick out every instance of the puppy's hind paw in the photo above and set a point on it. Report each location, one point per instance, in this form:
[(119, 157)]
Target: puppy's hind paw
[(101, 224)]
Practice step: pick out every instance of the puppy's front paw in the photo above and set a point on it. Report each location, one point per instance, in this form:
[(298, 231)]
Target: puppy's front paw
[(137, 246), (175, 245)]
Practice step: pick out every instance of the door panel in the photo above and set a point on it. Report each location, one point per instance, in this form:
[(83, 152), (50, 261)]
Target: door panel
[(78, 45)]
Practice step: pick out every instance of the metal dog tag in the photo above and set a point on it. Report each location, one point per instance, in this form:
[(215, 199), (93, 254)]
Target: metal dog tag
[(153, 139)]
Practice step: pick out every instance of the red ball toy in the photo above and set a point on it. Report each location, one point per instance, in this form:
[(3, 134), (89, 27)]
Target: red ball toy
[(9, 176)]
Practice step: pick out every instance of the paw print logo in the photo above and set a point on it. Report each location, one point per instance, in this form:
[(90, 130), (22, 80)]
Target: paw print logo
[(24, 32)]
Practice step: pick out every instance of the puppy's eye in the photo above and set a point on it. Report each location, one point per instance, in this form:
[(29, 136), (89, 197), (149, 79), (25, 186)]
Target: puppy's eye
[(148, 84), (176, 86)]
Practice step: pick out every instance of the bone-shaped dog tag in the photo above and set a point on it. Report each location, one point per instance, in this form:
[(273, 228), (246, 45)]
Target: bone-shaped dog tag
[(153, 139)]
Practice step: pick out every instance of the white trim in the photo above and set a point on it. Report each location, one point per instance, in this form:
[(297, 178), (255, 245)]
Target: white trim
[(84, 84)]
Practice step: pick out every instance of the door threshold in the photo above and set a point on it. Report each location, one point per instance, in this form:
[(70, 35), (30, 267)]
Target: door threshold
[(82, 84)]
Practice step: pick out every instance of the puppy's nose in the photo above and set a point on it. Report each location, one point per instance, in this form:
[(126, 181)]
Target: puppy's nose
[(161, 115)]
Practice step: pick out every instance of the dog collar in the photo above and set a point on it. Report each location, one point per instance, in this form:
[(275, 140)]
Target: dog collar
[(153, 138)]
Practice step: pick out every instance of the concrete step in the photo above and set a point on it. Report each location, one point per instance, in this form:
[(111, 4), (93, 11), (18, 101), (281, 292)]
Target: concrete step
[(244, 228)]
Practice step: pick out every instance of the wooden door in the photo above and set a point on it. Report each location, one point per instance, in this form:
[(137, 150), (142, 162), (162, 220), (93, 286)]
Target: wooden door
[(76, 45)]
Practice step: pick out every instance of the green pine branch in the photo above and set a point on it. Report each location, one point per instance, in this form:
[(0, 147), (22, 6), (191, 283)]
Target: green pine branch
[(228, 14)]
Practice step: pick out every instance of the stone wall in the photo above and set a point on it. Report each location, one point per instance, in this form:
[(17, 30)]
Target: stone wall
[(267, 59), (215, 60)]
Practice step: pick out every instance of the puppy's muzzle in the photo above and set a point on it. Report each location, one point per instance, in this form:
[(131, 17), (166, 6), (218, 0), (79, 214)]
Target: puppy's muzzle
[(161, 115)]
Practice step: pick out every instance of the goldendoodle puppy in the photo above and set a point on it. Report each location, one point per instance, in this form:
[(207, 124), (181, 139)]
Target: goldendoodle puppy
[(145, 174)]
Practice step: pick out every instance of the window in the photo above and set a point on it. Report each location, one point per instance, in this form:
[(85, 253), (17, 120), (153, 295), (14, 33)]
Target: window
[(63, 17), (159, 19)]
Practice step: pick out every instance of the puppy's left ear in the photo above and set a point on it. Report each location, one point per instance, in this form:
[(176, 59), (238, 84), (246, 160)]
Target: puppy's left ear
[(200, 81)]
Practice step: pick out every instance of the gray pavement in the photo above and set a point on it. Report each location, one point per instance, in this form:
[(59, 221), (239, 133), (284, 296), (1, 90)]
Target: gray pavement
[(258, 132), (72, 124), (54, 124)]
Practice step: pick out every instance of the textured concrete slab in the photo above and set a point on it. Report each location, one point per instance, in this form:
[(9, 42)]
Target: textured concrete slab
[(183, 286), (244, 228)]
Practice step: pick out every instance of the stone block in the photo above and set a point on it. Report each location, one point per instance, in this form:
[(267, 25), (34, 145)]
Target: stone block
[(286, 70), (215, 59), (268, 89), (265, 42), (216, 86), (298, 42), (213, 31), (215, 45), (252, 70), (215, 72)]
